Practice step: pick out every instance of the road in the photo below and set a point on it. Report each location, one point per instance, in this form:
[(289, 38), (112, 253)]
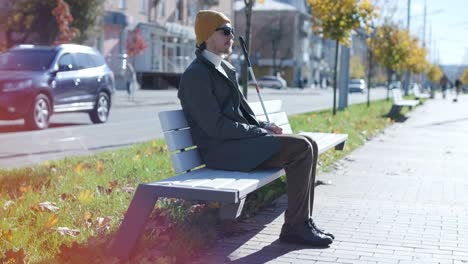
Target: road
[(129, 123)]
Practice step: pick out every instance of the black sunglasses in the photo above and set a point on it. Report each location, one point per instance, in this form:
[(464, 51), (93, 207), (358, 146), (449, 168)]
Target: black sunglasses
[(226, 30)]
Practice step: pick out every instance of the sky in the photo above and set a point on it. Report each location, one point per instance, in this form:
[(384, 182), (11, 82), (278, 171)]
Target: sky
[(446, 27)]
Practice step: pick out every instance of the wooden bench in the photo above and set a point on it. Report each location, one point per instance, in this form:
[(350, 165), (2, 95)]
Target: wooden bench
[(418, 94), (399, 102), (229, 188)]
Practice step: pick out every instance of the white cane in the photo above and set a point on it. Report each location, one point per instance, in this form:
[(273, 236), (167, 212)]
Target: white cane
[(246, 55)]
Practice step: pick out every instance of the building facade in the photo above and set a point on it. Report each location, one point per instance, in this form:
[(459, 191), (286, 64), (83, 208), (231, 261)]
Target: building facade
[(166, 27)]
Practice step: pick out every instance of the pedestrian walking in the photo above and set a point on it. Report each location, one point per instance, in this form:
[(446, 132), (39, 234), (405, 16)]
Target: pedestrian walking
[(130, 81), (444, 85), (229, 137), (458, 86)]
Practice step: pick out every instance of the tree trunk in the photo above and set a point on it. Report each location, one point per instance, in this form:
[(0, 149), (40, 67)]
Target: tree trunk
[(335, 83), (369, 76), (245, 67)]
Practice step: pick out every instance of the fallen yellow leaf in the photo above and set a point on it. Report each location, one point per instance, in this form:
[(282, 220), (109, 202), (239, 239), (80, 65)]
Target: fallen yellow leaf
[(87, 216), (8, 235), (99, 166), (79, 168), (52, 221), (136, 157), (85, 197), (25, 189)]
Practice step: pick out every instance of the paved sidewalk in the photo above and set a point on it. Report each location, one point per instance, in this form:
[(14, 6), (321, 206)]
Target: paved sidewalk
[(401, 198)]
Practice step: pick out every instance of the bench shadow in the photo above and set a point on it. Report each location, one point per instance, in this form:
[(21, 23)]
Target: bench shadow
[(399, 118), (250, 228)]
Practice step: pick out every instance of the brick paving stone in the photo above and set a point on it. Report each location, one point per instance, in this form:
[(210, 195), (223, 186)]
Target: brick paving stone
[(400, 198)]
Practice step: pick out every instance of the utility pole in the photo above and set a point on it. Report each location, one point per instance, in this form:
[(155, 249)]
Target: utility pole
[(424, 24), (407, 73)]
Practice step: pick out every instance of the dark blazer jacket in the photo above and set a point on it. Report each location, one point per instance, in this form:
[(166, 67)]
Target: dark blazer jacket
[(223, 126)]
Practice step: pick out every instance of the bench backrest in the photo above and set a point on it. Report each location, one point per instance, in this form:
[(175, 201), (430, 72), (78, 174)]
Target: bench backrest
[(397, 97), (184, 154)]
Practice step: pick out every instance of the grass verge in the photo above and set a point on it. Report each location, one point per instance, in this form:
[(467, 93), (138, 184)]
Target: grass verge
[(68, 211)]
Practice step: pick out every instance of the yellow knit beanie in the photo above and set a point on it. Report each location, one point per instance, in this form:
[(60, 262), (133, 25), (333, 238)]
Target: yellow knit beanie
[(206, 22)]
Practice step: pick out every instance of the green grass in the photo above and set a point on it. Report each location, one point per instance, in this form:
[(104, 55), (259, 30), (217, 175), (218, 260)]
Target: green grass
[(91, 195)]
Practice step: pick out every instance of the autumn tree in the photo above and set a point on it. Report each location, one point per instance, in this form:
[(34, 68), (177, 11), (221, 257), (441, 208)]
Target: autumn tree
[(464, 76), (391, 48), (135, 43), (336, 19), (416, 61), (64, 18), (434, 73), (32, 21), (356, 67)]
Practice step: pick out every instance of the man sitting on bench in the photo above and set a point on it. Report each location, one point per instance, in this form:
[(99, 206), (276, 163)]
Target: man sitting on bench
[(229, 137)]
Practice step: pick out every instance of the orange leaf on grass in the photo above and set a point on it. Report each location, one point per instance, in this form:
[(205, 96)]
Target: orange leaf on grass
[(67, 196), (13, 256), (87, 216), (51, 222), (79, 168), (25, 189), (99, 167), (113, 184), (8, 235)]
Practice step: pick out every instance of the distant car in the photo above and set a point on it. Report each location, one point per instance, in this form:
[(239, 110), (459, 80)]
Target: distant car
[(37, 81), (357, 86), (270, 82)]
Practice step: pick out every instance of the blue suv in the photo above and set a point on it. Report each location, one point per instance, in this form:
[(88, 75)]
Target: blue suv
[(36, 82)]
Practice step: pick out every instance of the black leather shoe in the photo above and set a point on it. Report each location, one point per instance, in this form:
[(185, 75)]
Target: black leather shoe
[(303, 234), (321, 231)]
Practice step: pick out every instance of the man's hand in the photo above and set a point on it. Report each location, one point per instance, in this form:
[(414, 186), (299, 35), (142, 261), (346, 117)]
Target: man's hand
[(273, 128)]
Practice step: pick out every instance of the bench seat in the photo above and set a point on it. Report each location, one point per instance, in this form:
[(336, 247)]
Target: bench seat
[(196, 182), (399, 103)]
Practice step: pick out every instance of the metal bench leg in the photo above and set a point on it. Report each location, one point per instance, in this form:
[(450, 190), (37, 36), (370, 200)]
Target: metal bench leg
[(231, 210), (394, 111), (340, 146), (134, 221)]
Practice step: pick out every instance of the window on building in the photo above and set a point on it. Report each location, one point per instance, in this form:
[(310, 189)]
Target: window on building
[(122, 4), (179, 10), (144, 6), (162, 8)]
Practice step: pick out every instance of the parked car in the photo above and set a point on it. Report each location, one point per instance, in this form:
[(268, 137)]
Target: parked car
[(38, 81), (270, 81), (357, 86)]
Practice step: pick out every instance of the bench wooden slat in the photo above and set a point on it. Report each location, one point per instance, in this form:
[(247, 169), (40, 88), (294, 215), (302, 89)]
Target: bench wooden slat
[(326, 141), (223, 180), (186, 160), (399, 101), (272, 106), (287, 129), (178, 139), (280, 118), (171, 120)]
